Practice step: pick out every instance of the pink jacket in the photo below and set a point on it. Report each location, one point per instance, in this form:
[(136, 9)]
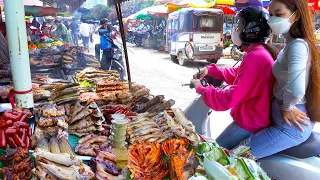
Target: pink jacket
[(249, 92)]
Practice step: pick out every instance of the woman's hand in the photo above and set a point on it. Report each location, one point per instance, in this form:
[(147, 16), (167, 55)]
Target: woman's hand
[(203, 73), (295, 116), (196, 83)]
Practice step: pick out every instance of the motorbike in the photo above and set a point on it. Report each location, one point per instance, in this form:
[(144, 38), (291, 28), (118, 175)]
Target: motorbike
[(117, 62), (236, 53), (140, 33), (296, 163)]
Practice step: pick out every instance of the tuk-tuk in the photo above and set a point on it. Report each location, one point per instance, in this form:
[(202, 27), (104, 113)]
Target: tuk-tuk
[(199, 26)]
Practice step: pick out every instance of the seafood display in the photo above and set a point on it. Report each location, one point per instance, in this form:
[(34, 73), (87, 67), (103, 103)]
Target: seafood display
[(50, 118), (66, 94), (145, 161), (17, 164), (104, 166), (14, 129), (91, 144), (93, 75), (85, 119)]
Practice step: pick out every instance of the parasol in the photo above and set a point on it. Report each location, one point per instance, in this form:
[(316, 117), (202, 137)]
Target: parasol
[(40, 11), (226, 9), (150, 13), (189, 3)]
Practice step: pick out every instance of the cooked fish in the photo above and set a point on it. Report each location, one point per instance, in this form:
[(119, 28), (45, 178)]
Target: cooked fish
[(62, 158), (183, 121), (47, 121), (54, 146), (84, 113), (65, 146), (75, 109), (67, 173), (43, 144)]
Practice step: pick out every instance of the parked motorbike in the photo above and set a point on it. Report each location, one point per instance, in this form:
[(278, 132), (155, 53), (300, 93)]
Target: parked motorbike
[(117, 62), (297, 163)]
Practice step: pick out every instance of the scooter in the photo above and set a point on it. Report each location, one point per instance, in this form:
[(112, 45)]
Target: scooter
[(117, 62), (301, 162)]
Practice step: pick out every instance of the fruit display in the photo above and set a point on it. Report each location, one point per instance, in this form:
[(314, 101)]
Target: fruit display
[(57, 43), (32, 47)]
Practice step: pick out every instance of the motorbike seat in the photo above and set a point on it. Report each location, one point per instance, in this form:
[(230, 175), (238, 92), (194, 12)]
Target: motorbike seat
[(309, 148)]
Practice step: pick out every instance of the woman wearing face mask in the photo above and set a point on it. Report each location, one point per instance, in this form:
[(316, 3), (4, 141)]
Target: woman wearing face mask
[(297, 86), (250, 85)]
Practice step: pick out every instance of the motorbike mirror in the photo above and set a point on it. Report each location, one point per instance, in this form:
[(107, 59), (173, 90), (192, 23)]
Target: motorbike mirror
[(188, 49)]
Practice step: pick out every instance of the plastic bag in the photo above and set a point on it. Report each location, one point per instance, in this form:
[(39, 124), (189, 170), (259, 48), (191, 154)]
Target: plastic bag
[(249, 170), (218, 155), (215, 170)]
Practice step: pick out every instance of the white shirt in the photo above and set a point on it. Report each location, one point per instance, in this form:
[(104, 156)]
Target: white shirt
[(85, 29)]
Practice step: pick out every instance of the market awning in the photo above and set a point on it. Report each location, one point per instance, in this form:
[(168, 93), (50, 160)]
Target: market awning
[(226, 9), (149, 13), (189, 3), (72, 4), (40, 11)]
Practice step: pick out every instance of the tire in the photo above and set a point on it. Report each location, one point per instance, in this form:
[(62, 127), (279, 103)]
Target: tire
[(235, 53), (214, 61), (181, 59), (174, 58)]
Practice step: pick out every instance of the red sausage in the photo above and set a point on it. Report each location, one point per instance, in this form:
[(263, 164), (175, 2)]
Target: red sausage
[(18, 141), (27, 142), (9, 123), (19, 131), (23, 137), (11, 142), (23, 118), (21, 124), (29, 132), (10, 132), (2, 139)]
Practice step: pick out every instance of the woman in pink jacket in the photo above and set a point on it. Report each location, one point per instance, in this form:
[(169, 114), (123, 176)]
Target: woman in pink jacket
[(249, 89)]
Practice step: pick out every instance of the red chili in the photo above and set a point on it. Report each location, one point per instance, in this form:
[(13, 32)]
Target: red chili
[(10, 132), (21, 124), (29, 132), (23, 118), (3, 142), (18, 141), (11, 142)]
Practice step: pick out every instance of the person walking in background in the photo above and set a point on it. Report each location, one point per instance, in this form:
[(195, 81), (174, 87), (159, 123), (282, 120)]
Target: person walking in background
[(85, 30), (74, 26), (63, 33), (105, 44)]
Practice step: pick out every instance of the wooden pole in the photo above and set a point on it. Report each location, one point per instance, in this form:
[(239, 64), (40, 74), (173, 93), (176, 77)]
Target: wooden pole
[(119, 15)]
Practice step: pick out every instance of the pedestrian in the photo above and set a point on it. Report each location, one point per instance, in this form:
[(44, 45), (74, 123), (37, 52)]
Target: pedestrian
[(74, 26), (105, 44), (63, 33), (85, 30)]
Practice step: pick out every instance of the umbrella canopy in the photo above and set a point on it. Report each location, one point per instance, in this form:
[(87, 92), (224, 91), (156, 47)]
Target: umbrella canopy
[(189, 3), (226, 9), (224, 2), (150, 13), (40, 11)]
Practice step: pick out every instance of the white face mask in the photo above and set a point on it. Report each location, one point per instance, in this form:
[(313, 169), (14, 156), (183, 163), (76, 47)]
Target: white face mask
[(280, 25), (235, 37)]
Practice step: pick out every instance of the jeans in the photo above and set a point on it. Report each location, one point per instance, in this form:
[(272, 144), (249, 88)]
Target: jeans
[(279, 136), (75, 38), (85, 41), (232, 136), (106, 59)]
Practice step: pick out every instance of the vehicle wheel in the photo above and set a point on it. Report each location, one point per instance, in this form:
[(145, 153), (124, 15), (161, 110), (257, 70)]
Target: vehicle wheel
[(181, 59), (235, 53), (214, 61), (174, 58)]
